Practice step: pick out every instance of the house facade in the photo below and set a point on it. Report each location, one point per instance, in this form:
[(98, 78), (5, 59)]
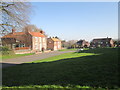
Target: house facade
[(102, 42), (35, 41), (53, 43), (83, 43)]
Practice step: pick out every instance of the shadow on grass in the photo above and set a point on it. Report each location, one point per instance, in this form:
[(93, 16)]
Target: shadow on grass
[(95, 71), (3, 65)]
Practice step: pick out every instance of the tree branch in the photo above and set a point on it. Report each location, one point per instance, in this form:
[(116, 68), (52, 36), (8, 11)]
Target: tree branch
[(7, 25), (7, 5)]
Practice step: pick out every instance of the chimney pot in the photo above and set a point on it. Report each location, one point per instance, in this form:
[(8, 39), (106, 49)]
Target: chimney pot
[(41, 32), (13, 30)]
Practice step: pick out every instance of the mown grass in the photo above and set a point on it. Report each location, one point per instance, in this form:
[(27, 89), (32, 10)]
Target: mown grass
[(68, 49), (64, 56), (53, 87), (94, 68), (14, 55), (73, 49)]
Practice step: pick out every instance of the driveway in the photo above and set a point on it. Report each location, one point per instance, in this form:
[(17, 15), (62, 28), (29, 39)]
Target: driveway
[(30, 58)]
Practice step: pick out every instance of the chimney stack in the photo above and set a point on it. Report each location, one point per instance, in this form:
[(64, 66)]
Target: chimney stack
[(13, 30), (41, 32)]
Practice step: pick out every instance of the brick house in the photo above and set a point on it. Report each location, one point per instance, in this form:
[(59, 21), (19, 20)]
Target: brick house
[(83, 43), (102, 42), (53, 43), (35, 41)]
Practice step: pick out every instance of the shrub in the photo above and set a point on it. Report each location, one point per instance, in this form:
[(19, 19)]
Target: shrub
[(5, 50)]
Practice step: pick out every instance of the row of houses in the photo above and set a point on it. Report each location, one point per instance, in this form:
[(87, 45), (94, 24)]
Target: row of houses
[(29, 40), (38, 41), (98, 42)]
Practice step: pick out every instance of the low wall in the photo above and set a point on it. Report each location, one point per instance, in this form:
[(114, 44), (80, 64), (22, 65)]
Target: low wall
[(29, 51), (23, 51)]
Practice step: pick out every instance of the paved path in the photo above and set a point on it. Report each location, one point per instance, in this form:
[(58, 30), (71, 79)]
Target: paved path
[(30, 58)]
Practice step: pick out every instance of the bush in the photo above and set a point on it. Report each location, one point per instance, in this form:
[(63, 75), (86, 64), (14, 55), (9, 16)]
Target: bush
[(4, 48), (6, 51)]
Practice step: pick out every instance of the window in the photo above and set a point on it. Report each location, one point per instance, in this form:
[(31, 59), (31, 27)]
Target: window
[(36, 46), (59, 46), (36, 39), (101, 42), (21, 45), (17, 41), (55, 47)]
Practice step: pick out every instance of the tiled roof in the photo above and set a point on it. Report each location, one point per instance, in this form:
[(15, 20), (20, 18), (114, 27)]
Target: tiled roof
[(16, 34), (103, 39), (55, 39), (13, 35), (37, 34)]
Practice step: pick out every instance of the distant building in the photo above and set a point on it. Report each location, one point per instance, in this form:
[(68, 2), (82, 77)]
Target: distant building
[(53, 43), (25, 40), (102, 42), (83, 43)]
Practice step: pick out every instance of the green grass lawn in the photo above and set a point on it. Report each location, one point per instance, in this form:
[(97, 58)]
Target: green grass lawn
[(14, 56), (72, 49), (64, 56), (94, 68), (68, 49)]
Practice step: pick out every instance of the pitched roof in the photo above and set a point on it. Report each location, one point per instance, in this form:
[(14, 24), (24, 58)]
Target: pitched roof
[(37, 34), (13, 35), (55, 39), (16, 34), (103, 39)]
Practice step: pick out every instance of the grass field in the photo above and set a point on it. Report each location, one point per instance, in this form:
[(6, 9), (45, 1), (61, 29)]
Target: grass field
[(92, 68), (14, 55), (68, 49)]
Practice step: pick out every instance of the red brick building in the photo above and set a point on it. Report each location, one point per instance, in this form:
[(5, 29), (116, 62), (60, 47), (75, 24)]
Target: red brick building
[(53, 44), (83, 43), (25, 40), (102, 42)]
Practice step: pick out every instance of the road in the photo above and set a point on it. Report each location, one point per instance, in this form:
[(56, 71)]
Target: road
[(30, 58)]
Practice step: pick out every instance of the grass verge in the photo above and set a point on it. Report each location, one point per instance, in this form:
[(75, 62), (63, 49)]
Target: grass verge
[(95, 68), (68, 49), (14, 55)]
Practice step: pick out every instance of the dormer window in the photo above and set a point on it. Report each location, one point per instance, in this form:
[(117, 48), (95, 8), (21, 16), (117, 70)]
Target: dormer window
[(17, 41)]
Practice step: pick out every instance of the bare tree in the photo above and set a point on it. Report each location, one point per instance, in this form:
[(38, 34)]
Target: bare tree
[(69, 43), (31, 28), (14, 15)]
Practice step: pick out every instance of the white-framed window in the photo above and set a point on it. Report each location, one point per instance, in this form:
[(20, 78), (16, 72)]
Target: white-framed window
[(101, 42), (36, 39), (17, 41), (59, 46), (36, 46), (21, 45), (40, 46), (55, 47)]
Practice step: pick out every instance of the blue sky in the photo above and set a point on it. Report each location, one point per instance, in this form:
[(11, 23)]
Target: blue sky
[(78, 20)]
